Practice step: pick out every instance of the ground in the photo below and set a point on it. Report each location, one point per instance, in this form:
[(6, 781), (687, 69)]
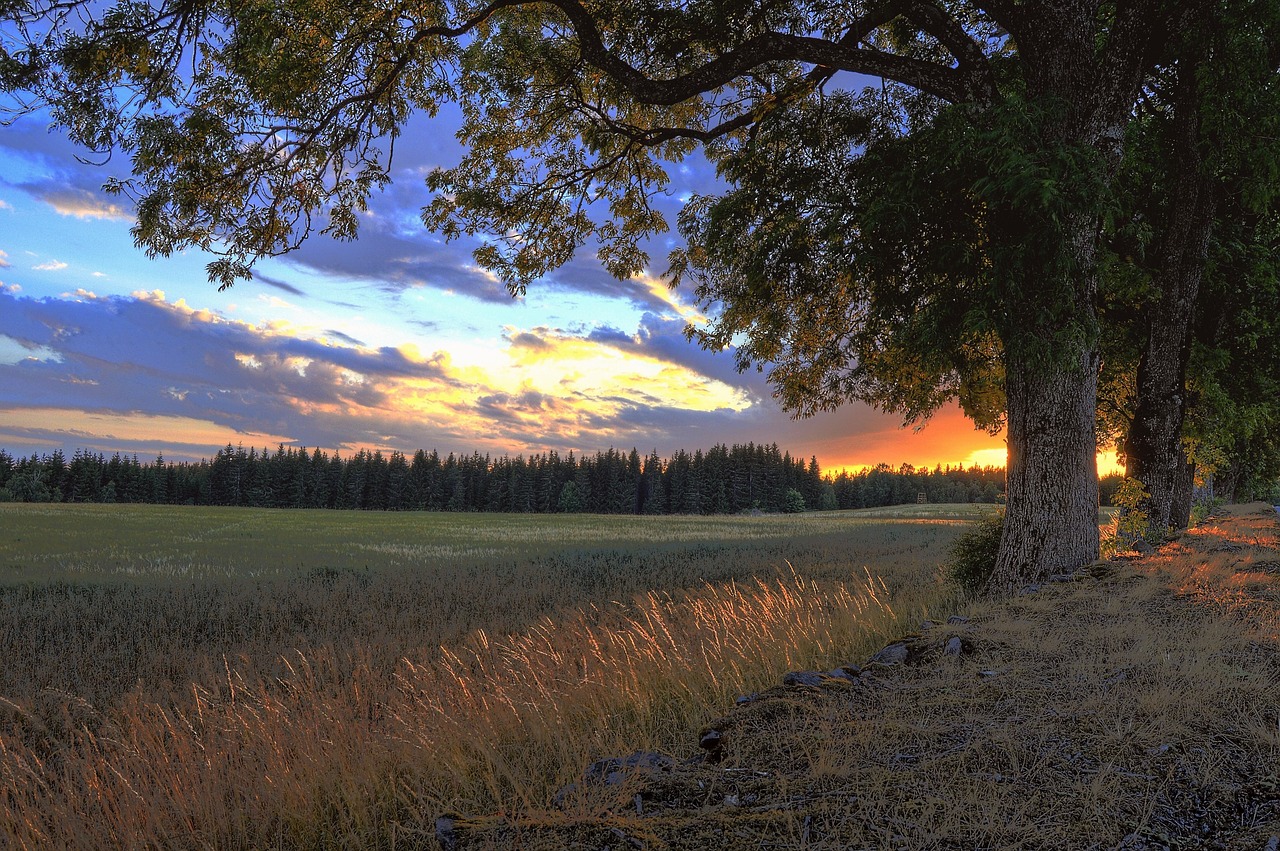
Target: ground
[(1135, 706)]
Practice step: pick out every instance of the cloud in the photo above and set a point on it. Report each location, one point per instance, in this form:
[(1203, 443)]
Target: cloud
[(145, 374), (144, 356), (148, 435), (277, 284), (4, 260), (5, 205), (335, 334), (81, 203), (15, 351), (50, 266)]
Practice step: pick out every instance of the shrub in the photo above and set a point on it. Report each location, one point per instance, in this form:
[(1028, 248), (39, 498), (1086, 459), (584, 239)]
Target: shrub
[(1203, 507), (1132, 523), (793, 501), (973, 555)]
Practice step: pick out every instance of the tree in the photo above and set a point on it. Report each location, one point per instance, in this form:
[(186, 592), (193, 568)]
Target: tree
[(570, 499), (793, 502), (991, 159), (1195, 180)]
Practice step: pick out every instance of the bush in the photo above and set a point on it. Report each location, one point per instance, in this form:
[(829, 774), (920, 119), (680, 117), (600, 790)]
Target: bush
[(793, 501), (973, 555), (1203, 507), (1132, 523)]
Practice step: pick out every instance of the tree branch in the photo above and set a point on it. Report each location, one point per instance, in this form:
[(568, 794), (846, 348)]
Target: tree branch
[(950, 84)]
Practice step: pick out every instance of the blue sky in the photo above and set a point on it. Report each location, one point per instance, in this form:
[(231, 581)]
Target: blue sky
[(394, 341)]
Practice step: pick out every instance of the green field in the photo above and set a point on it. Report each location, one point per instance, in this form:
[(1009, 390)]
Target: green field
[(340, 677), (89, 541)]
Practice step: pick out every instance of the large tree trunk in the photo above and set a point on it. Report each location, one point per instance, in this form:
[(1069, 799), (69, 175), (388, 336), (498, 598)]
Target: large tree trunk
[(1153, 447), (1051, 521), (1085, 85), (1183, 491)]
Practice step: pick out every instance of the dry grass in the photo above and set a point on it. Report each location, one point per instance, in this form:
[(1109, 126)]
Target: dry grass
[(1137, 708), (278, 686)]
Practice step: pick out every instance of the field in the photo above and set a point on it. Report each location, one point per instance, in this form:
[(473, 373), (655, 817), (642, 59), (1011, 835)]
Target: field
[(231, 678)]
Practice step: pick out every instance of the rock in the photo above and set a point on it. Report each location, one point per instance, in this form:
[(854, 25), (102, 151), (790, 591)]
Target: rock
[(630, 840), (1273, 844), (711, 740), (813, 679), (954, 646), (1142, 548), (445, 834), (927, 625), (613, 770), (1033, 588), (957, 619), (744, 699), (562, 794), (845, 672), (894, 654)]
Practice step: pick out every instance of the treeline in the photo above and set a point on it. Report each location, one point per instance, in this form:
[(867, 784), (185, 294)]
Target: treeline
[(723, 480)]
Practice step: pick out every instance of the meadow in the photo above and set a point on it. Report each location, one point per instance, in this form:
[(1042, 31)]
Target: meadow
[(233, 678)]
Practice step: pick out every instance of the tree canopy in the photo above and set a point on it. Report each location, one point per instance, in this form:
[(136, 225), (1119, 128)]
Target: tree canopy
[(1191, 255), (936, 237)]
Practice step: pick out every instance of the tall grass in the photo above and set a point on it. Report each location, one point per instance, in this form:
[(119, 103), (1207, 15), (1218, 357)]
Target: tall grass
[(345, 707)]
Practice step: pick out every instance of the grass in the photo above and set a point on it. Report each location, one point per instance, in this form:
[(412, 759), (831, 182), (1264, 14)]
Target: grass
[(1134, 708), (229, 678)]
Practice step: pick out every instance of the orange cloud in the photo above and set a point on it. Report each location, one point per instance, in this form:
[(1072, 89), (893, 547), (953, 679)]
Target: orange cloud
[(161, 430)]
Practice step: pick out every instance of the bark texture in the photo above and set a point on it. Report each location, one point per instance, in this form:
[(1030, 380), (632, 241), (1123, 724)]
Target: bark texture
[(1183, 492), (1153, 448), (1051, 522)]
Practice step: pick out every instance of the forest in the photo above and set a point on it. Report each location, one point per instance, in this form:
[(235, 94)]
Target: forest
[(721, 480)]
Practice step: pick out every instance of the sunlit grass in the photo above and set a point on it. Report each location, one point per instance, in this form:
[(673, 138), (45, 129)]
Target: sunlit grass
[(236, 678)]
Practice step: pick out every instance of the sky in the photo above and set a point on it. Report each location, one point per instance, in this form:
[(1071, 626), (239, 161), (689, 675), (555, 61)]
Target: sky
[(395, 341)]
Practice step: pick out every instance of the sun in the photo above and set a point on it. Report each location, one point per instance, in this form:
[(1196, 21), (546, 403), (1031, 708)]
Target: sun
[(1108, 463)]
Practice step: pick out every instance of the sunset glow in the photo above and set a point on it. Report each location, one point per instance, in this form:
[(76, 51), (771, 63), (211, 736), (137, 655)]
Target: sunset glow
[(395, 342)]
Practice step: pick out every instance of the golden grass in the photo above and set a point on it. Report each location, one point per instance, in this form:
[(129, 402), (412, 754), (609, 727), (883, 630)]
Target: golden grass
[(267, 690), (1135, 708)]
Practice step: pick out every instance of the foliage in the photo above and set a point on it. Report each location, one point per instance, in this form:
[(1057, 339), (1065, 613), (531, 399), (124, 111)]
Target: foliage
[(803, 256), (248, 126), (1107, 486), (1201, 153), (570, 499), (1203, 508), (793, 502), (1132, 523), (722, 480), (827, 499), (972, 556)]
